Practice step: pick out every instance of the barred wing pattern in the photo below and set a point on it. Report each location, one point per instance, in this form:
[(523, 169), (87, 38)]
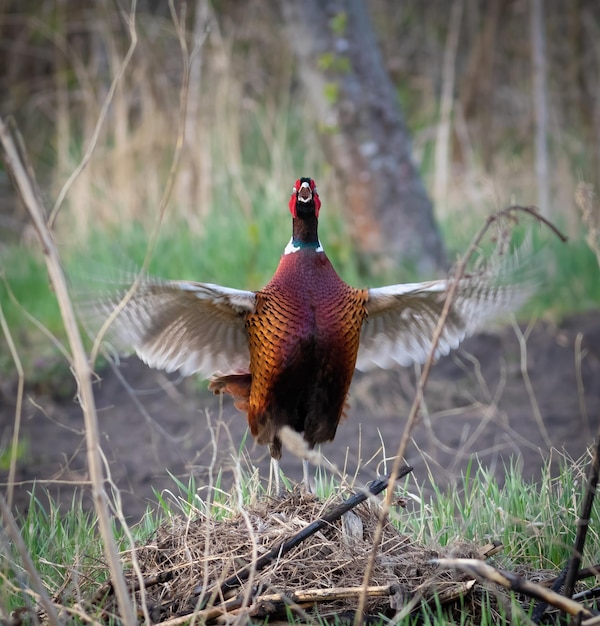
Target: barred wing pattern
[(402, 318), (180, 325)]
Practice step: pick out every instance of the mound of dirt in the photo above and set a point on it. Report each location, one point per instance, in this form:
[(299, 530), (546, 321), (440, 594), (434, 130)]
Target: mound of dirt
[(184, 567)]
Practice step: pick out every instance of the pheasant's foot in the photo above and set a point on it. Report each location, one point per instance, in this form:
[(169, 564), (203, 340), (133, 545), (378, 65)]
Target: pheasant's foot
[(305, 476), (275, 479)]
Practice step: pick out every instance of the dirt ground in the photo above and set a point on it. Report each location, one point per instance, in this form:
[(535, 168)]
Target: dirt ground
[(478, 402)]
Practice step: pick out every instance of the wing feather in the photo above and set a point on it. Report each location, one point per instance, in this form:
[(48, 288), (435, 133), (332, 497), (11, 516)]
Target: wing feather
[(179, 325), (402, 318)]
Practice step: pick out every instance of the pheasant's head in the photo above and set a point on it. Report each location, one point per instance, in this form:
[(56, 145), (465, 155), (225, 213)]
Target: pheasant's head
[(305, 199)]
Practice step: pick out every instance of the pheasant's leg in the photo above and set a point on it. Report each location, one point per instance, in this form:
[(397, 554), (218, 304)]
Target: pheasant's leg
[(275, 475), (305, 477)]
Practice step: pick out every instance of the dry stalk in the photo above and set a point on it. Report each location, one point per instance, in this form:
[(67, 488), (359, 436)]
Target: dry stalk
[(18, 408), (510, 580), (540, 108), (247, 593), (579, 355), (25, 186), (179, 23), (535, 407), (506, 213), (100, 121)]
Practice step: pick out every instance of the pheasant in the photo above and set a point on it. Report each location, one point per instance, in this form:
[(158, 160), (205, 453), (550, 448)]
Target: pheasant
[(287, 353)]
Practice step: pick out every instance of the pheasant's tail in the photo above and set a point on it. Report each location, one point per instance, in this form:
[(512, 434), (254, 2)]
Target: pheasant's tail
[(236, 384)]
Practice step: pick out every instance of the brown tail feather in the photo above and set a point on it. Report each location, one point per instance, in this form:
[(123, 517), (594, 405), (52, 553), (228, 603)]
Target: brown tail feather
[(235, 384)]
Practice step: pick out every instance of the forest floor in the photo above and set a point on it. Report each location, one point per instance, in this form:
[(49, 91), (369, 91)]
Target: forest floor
[(478, 404)]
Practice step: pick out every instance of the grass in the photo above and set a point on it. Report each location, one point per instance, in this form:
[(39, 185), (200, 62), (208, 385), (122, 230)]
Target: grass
[(533, 520), (536, 522)]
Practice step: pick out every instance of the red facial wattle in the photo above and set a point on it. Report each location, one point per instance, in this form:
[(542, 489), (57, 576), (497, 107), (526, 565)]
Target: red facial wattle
[(304, 191)]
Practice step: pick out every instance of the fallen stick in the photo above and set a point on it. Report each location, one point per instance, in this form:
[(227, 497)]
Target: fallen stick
[(586, 572), (229, 585), (281, 600), (510, 580)]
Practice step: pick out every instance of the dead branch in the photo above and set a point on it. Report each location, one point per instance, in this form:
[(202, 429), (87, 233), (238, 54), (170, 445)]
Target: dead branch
[(586, 572), (267, 604), (514, 582)]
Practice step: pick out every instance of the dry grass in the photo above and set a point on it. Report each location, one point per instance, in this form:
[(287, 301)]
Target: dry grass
[(190, 556)]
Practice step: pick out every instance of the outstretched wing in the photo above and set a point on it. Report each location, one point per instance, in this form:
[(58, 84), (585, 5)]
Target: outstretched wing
[(402, 318), (179, 325)]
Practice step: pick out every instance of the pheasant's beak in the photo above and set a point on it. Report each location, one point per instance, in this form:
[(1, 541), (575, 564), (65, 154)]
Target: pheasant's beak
[(304, 193)]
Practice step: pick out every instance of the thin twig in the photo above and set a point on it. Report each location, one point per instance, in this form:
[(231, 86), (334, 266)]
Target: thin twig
[(18, 408), (535, 407), (164, 201), (100, 122), (419, 394), (33, 320)]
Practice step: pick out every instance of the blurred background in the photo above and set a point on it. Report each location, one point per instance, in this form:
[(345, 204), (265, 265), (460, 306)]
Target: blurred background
[(416, 119)]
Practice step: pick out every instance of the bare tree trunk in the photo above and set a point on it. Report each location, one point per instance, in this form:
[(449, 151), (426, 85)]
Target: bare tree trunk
[(342, 72), (540, 100)]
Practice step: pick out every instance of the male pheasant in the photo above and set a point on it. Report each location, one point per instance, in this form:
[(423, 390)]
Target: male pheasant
[(287, 353)]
